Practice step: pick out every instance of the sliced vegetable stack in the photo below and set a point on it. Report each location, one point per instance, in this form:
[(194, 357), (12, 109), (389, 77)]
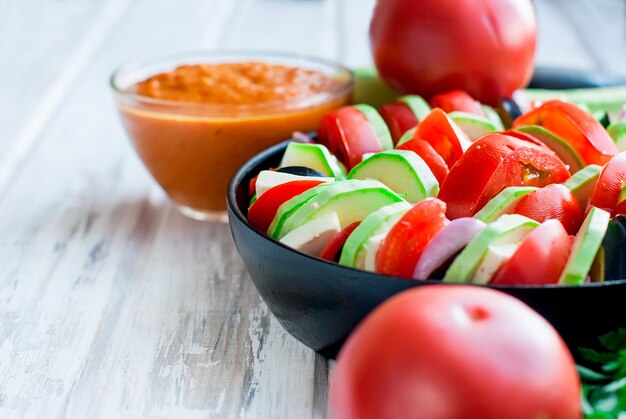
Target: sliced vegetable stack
[(443, 191)]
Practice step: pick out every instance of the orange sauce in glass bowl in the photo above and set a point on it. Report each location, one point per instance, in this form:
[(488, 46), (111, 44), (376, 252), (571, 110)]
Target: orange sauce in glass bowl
[(193, 126)]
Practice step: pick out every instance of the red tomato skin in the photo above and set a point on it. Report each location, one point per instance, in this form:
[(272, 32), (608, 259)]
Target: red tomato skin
[(435, 162), (486, 50), (457, 100), (552, 202), (348, 134), (454, 352), (540, 259), (581, 129), (518, 168), (610, 183), (444, 135), (399, 118), (529, 138), (399, 252), (262, 212), (336, 244), (468, 177)]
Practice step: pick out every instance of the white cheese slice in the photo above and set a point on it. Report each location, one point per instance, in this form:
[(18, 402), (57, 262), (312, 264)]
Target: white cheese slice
[(269, 178), (311, 238), (370, 251), (497, 255)]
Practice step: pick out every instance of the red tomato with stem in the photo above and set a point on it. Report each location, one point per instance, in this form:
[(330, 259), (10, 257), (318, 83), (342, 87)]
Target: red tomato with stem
[(610, 183), (401, 249), (262, 212), (581, 129), (333, 249), (457, 100), (444, 135), (540, 259), (552, 202), (454, 352), (348, 134), (399, 118), (486, 49), (435, 162)]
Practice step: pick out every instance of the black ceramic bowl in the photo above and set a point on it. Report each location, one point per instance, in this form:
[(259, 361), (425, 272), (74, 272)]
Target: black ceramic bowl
[(320, 303)]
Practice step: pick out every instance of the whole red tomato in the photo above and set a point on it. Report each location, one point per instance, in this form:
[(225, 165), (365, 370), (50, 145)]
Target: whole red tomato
[(485, 47), (454, 352)]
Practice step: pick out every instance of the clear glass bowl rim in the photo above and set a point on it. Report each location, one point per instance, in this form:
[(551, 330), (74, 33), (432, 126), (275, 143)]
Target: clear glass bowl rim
[(342, 89)]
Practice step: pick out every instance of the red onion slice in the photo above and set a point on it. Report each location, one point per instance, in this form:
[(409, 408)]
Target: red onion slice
[(446, 243)]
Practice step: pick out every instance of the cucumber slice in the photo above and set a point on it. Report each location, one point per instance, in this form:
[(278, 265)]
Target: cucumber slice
[(561, 147), (622, 195), (505, 230), (381, 128), (406, 137), (289, 207), (472, 125), (417, 104), (585, 247), (352, 200), (493, 116), (597, 271), (314, 156), (583, 182), (370, 89), (503, 203), (617, 131), (404, 172), (497, 255), (355, 250)]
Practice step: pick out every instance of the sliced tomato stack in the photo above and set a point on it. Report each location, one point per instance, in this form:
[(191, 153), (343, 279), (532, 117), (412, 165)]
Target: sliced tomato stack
[(492, 163), (609, 191), (403, 246), (404, 114), (353, 131), (457, 100), (581, 130)]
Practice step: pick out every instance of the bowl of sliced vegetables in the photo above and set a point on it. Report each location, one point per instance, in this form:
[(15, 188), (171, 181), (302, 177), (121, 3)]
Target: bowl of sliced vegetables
[(528, 198)]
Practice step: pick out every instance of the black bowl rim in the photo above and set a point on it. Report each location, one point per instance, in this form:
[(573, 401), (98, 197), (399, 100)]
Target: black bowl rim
[(246, 168)]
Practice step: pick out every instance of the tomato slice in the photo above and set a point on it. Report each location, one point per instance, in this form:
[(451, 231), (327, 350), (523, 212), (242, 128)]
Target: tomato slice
[(399, 118), (610, 183), (579, 128), (457, 100), (435, 162), (401, 249), (262, 212), (348, 134), (527, 137), (528, 165), (552, 202), (540, 258), (332, 251), (469, 176), (444, 135)]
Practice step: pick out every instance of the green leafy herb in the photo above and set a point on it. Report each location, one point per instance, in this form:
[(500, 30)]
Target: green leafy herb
[(604, 392)]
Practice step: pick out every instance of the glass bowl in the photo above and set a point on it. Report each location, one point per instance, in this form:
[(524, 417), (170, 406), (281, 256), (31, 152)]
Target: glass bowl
[(192, 149)]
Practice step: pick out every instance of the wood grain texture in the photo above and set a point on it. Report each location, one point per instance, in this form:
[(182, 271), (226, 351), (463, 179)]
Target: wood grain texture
[(111, 303)]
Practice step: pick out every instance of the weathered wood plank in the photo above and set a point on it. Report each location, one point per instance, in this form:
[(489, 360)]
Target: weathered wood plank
[(131, 309)]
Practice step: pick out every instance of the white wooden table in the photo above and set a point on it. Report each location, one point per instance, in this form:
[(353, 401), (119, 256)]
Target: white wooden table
[(111, 303)]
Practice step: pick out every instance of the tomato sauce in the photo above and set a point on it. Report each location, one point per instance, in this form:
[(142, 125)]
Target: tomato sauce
[(196, 125)]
